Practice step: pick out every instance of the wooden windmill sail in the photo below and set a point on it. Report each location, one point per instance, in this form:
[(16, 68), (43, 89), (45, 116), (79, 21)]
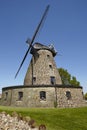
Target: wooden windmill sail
[(42, 68)]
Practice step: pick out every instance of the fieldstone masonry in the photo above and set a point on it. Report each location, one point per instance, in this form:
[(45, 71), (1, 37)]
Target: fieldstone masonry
[(55, 96), (17, 122), (43, 68)]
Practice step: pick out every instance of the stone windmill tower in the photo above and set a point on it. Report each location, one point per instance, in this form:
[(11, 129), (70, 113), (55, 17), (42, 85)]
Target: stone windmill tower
[(42, 69)]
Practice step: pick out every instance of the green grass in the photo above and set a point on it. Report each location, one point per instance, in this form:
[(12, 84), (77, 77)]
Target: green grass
[(55, 119)]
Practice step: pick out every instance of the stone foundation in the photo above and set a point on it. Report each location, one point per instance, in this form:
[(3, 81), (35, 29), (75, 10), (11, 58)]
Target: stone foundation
[(42, 96)]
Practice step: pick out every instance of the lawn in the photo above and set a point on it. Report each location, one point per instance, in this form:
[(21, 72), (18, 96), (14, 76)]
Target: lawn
[(55, 119)]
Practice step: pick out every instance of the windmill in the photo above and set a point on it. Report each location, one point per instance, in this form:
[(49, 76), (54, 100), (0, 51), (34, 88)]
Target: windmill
[(42, 83), (30, 42), (42, 58)]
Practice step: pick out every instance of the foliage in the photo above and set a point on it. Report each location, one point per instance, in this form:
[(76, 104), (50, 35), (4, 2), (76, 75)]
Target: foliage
[(85, 96), (67, 79), (74, 81), (55, 119), (65, 76)]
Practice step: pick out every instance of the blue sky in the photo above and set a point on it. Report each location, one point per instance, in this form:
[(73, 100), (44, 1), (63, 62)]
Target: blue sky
[(65, 27)]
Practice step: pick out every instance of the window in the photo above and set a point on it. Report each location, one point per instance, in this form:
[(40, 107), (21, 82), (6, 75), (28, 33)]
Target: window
[(34, 79), (6, 95), (50, 66), (52, 80), (68, 95), (48, 56), (20, 95), (42, 95)]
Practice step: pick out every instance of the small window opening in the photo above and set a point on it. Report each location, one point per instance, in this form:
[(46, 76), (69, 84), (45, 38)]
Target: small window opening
[(20, 95), (50, 66), (34, 79), (48, 56), (52, 80), (6, 95), (68, 95), (42, 95)]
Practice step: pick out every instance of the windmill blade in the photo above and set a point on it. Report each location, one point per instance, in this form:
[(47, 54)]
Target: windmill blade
[(22, 62), (39, 25), (33, 38)]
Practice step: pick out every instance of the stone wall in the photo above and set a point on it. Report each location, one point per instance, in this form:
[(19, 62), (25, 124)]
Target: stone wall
[(75, 98), (42, 96), (42, 68)]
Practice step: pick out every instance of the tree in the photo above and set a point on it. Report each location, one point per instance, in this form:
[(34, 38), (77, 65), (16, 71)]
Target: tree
[(65, 76), (85, 96), (67, 79), (74, 81)]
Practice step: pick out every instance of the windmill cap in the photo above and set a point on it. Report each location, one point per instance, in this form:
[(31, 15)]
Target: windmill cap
[(39, 46)]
